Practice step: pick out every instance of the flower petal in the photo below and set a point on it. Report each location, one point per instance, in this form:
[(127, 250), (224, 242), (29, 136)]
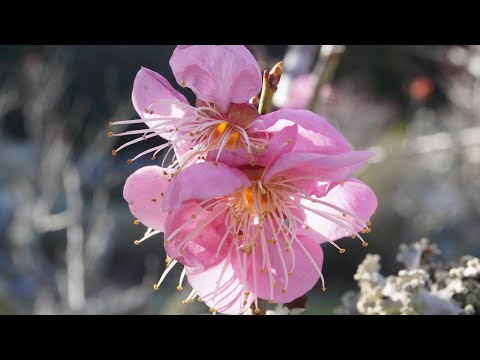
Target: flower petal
[(315, 134), (203, 181), (150, 87), (354, 197), (143, 191), (303, 276), (221, 74), (230, 298), (325, 167), (204, 227)]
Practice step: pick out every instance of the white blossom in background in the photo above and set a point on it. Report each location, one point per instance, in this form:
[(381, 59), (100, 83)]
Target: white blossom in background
[(428, 285)]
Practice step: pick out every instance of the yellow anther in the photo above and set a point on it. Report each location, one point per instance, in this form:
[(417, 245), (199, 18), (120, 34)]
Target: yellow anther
[(136, 242), (136, 222), (270, 301), (179, 288), (365, 244), (257, 311), (341, 251), (155, 287), (110, 134)]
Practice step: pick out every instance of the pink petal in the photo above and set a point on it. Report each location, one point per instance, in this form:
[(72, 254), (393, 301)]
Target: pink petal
[(303, 278), (221, 74), (143, 191), (206, 231), (203, 181), (353, 196), (325, 167), (315, 134), (150, 87), (230, 298)]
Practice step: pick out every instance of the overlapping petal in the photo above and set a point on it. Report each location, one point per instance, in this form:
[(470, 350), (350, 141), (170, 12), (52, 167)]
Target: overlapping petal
[(303, 261), (144, 191), (201, 231), (315, 134), (325, 167), (153, 97), (353, 196), (228, 297), (221, 74), (203, 181)]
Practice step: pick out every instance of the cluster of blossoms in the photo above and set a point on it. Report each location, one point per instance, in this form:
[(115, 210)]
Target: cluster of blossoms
[(427, 285), (247, 199)]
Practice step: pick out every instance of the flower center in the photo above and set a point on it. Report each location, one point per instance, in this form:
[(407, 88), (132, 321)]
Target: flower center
[(232, 136), (195, 131)]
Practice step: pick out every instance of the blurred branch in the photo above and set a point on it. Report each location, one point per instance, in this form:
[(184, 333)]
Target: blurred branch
[(74, 255), (324, 71)]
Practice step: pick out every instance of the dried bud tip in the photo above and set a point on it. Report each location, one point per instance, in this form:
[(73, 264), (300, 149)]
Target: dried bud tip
[(277, 69)]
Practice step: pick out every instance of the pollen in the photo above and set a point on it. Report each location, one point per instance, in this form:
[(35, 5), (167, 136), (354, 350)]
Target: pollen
[(234, 134), (136, 222)]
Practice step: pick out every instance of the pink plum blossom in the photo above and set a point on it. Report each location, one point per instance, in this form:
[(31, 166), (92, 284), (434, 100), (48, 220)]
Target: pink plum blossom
[(224, 78), (246, 232)]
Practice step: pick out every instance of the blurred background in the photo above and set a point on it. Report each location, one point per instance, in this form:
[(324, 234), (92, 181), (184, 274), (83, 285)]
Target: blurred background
[(66, 234)]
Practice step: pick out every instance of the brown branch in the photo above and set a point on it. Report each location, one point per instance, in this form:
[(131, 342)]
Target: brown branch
[(324, 71), (270, 85)]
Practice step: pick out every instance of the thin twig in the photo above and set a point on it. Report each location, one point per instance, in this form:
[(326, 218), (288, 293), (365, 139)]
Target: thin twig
[(324, 71)]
